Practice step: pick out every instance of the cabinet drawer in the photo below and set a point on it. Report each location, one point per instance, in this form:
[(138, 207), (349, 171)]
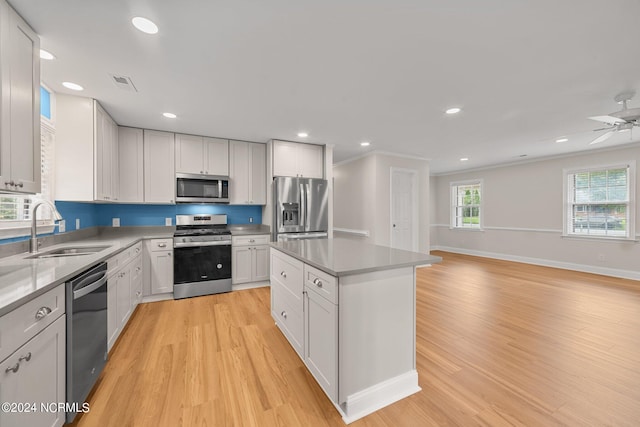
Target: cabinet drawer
[(23, 323), (156, 245), (259, 239), (287, 271), (288, 316), (321, 283), (120, 260)]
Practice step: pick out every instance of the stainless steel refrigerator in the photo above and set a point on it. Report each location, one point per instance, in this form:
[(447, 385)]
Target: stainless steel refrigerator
[(301, 208)]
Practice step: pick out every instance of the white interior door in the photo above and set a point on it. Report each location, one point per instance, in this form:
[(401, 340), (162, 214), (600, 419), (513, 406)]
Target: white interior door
[(403, 210)]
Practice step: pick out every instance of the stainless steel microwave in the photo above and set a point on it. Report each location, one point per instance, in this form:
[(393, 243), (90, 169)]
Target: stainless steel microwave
[(196, 188)]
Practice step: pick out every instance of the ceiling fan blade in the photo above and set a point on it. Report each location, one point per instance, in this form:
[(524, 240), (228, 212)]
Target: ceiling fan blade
[(603, 137), (608, 120)]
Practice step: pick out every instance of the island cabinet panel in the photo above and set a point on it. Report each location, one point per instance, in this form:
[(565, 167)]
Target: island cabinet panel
[(286, 310), (377, 330), (288, 272)]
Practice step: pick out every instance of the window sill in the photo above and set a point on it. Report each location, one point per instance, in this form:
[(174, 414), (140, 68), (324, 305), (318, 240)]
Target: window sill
[(22, 231), (466, 229), (603, 238)]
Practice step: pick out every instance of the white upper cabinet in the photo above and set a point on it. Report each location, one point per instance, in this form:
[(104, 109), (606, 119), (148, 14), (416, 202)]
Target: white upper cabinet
[(86, 151), (20, 104), (130, 162), (247, 173), (294, 159), (202, 155), (159, 167), (106, 140)]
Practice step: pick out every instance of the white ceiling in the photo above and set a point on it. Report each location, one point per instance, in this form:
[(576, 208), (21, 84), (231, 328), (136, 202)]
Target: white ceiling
[(525, 72)]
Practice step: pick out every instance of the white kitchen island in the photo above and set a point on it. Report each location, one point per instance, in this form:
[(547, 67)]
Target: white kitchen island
[(349, 311)]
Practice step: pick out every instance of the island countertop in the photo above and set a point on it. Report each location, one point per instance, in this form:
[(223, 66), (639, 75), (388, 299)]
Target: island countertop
[(342, 257)]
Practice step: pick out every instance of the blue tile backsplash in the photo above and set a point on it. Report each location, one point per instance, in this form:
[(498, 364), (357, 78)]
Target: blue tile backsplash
[(97, 214)]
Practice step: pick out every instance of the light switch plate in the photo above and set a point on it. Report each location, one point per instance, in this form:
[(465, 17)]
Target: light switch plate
[(77, 223), (167, 221), (115, 222), (62, 225)]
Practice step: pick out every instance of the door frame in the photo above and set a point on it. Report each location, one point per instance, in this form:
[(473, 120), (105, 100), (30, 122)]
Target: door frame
[(414, 203)]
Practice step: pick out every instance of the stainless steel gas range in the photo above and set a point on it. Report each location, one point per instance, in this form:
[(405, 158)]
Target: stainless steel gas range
[(202, 255)]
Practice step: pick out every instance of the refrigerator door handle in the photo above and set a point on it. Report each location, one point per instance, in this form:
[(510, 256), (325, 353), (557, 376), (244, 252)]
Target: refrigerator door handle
[(303, 207)]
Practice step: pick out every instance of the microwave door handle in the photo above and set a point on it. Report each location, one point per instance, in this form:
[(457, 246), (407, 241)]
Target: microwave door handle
[(220, 188)]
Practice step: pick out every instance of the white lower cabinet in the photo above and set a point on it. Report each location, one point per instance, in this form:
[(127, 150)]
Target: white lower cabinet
[(321, 341), (309, 322), (159, 253), (123, 276), (249, 258), (34, 375)]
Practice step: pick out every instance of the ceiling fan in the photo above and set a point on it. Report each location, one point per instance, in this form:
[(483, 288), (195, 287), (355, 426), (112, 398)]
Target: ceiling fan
[(620, 121)]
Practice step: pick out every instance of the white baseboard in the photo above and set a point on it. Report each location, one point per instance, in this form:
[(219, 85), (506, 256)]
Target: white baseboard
[(159, 297), (613, 272), (252, 285), (376, 397)]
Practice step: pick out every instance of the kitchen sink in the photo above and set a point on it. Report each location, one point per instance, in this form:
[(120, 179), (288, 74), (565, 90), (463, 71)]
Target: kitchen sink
[(69, 251)]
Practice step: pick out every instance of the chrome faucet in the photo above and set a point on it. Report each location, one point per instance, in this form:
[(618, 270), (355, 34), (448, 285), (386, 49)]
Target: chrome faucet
[(33, 242)]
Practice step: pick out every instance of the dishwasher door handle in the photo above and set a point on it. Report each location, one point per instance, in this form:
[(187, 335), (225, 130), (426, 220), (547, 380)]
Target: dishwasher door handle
[(88, 289)]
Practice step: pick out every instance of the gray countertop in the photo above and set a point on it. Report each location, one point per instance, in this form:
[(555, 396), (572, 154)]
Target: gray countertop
[(23, 279), (249, 229), (342, 257)]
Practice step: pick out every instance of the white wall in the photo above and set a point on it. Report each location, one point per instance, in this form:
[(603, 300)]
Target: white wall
[(523, 211), (362, 197)]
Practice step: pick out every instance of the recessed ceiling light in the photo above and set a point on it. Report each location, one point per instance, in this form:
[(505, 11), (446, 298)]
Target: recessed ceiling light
[(169, 115), (144, 25), (46, 55), (72, 86), (365, 144), (562, 139), (464, 159), (303, 134), (453, 110)]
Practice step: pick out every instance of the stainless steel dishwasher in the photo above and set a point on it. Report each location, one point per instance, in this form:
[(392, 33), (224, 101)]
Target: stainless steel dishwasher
[(86, 334)]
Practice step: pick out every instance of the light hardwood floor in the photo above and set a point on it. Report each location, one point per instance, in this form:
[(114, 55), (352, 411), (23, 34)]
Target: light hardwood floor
[(498, 343)]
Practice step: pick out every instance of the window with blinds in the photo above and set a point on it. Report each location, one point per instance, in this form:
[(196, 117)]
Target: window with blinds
[(15, 209), (599, 202), (466, 205)]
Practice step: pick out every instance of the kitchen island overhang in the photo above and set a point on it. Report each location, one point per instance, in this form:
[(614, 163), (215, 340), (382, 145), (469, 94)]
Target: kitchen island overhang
[(357, 306)]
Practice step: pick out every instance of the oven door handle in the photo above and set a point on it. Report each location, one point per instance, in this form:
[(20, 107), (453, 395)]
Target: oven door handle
[(200, 244), (88, 289)]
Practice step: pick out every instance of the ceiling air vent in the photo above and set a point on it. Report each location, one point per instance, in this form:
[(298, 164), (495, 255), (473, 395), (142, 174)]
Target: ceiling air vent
[(123, 82)]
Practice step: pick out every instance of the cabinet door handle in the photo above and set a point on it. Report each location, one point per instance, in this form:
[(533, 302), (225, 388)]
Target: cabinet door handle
[(20, 184), (252, 241), (42, 313), (137, 250), (25, 358), (14, 368), (283, 314), (162, 245), (317, 282), (169, 254), (284, 274)]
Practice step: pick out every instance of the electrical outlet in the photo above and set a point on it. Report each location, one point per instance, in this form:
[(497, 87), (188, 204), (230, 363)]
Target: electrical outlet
[(115, 222), (167, 221), (250, 219), (77, 223), (62, 226)]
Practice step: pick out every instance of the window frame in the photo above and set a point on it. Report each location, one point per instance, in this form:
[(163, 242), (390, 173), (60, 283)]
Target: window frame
[(453, 186), (568, 202)]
